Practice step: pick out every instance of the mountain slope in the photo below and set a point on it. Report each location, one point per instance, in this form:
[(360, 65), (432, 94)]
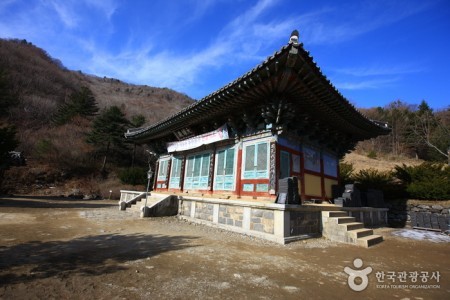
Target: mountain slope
[(40, 83)]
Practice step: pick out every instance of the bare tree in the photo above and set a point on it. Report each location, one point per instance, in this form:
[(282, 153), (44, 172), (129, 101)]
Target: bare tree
[(429, 129)]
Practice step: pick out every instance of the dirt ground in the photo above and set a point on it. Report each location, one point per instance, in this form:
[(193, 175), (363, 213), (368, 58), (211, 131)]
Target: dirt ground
[(74, 249)]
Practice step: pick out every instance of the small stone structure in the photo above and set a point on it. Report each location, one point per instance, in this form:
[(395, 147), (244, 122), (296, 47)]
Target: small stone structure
[(415, 213)]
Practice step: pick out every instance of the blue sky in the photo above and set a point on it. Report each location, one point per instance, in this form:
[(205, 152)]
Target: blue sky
[(374, 52)]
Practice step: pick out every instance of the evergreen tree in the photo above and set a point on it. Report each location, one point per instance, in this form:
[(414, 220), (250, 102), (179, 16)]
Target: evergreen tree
[(107, 133), (6, 98), (81, 103), (8, 142), (136, 121)]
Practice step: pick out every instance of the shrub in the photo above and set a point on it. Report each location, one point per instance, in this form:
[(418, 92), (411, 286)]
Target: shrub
[(372, 154), (427, 181), (372, 179), (345, 172), (44, 148), (133, 176)]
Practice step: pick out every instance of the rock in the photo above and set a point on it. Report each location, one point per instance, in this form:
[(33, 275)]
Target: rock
[(424, 207), (91, 197)]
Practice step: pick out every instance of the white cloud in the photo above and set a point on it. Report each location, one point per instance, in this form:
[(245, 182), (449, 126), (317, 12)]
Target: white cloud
[(65, 13), (367, 84), (179, 71), (380, 70), (107, 7)]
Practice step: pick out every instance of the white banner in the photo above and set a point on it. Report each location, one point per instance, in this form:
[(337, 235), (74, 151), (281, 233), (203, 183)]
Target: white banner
[(219, 134)]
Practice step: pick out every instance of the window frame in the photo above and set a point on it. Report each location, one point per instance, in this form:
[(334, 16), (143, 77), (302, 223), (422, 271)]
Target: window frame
[(244, 175), (216, 168), (176, 184), (201, 179)]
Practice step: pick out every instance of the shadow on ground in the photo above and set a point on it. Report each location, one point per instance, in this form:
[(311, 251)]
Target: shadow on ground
[(50, 202), (92, 255)]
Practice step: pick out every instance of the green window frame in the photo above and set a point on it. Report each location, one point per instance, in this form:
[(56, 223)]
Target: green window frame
[(175, 173), (225, 170), (256, 162), (162, 170), (197, 172)]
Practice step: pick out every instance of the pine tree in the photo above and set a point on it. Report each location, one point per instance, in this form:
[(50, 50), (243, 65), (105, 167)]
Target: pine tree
[(136, 121), (81, 103), (107, 133), (6, 98), (8, 142)]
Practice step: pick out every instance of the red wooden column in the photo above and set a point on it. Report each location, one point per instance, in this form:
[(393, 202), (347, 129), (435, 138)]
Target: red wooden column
[(302, 175), (183, 167), (169, 164), (274, 167), (322, 178), (238, 186), (155, 175), (212, 163)]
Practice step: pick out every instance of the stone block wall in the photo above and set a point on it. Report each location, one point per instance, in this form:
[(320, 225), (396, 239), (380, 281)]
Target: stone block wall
[(417, 213), (231, 215), (305, 222), (262, 220), (185, 208), (204, 211), (369, 216)]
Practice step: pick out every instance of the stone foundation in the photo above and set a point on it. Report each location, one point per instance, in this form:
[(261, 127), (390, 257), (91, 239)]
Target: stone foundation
[(275, 222)]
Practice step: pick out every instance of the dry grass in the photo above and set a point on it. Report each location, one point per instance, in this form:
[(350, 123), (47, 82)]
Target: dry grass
[(361, 162)]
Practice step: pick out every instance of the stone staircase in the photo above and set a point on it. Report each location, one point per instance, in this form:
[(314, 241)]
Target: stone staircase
[(338, 226), (136, 207)]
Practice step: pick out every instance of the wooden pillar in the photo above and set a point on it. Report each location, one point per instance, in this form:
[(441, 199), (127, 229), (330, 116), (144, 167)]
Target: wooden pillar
[(155, 176), (212, 162), (239, 171), (274, 166), (302, 176), (183, 166), (169, 164), (322, 177)]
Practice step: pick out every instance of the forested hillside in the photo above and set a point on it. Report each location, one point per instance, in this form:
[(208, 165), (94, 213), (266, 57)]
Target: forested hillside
[(418, 131), (52, 111)]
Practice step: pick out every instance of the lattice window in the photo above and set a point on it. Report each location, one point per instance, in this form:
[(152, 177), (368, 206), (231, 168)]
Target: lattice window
[(224, 179), (175, 174), (197, 172), (256, 161)]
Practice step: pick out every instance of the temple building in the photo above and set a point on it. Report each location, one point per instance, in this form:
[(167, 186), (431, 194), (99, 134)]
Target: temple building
[(281, 119)]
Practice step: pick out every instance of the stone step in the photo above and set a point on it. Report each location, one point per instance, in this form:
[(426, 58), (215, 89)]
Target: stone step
[(139, 204), (352, 225), (336, 214), (134, 208), (370, 240), (342, 220), (359, 233)]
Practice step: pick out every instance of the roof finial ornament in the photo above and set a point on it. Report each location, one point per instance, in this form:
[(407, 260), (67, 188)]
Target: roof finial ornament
[(294, 37)]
